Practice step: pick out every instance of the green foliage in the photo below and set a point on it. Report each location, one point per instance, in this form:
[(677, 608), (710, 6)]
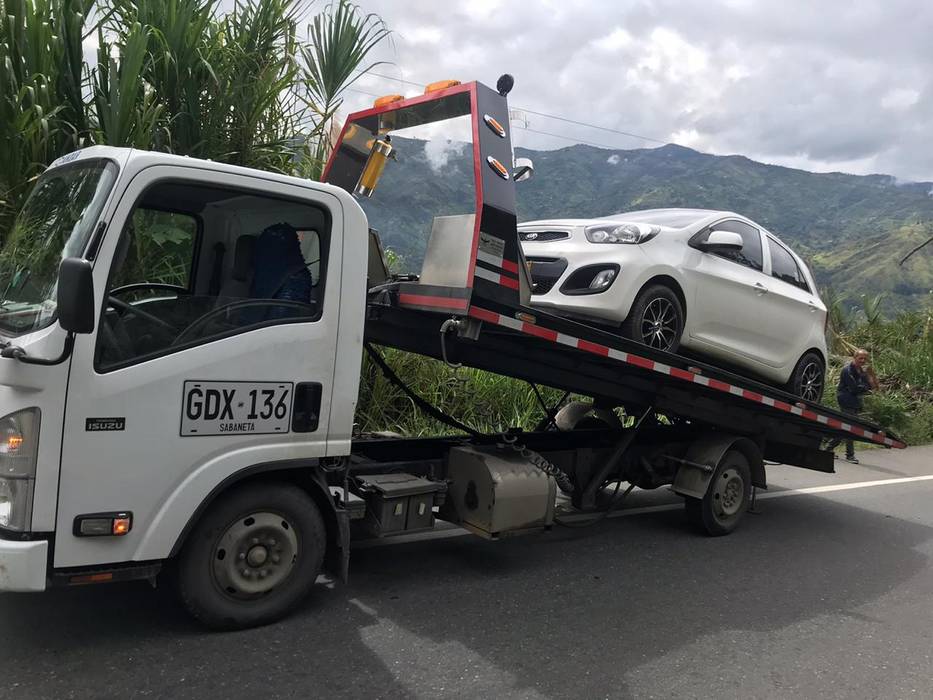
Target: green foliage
[(341, 39), (42, 79), (161, 249), (901, 352), (484, 401), (175, 75)]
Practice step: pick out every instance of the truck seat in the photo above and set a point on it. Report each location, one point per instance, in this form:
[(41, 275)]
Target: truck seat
[(241, 277), (280, 269)]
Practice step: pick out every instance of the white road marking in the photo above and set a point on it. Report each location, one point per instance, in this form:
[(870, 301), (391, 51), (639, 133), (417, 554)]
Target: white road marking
[(452, 531)]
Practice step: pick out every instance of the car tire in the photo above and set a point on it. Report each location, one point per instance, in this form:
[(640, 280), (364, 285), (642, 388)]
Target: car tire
[(656, 319), (252, 556), (809, 378), (726, 500)]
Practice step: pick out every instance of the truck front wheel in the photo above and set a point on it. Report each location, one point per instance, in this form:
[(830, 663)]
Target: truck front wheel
[(252, 557), (726, 499)]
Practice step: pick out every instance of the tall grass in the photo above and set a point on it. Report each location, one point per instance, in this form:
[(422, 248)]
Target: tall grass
[(252, 86), (483, 401), (901, 351)]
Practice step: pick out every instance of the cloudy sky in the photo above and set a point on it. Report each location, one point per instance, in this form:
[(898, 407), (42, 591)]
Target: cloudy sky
[(816, 84)]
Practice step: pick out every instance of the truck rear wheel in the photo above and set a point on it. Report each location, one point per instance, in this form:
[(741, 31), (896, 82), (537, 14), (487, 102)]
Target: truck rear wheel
[(722, 508), (252, 557)]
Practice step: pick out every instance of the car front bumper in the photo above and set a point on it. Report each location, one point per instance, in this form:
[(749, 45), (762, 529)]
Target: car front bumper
[(610, 305), (23, 565)]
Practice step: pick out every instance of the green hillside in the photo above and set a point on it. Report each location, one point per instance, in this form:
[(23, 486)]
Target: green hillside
[(852, 229)]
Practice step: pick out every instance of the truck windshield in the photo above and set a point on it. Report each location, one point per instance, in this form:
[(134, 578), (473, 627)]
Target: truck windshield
[(55, 223)]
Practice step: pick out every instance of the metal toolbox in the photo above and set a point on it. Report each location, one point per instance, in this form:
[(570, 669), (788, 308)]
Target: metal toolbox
[(495, 493), (398, 503)]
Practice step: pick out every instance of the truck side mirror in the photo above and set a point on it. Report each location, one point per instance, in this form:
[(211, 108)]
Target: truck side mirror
[(76, 296), (524, 169), (719, 241)]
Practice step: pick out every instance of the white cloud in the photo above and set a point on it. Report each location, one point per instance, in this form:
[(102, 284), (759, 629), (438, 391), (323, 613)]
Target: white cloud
[(617, 39), (421, 34), (796, 82), (900, 99), (614, 159), (439, 151)]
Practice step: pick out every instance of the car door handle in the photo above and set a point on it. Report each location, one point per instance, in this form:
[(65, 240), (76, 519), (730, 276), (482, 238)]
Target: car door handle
[(813, 307), (760, 288)]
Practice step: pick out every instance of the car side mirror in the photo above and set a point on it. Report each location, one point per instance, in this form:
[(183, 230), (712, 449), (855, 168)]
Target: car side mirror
[(719, 241), (524, 169), (76, 295)]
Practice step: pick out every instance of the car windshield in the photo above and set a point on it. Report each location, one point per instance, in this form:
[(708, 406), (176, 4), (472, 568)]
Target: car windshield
[(670, 218), (55, 223)]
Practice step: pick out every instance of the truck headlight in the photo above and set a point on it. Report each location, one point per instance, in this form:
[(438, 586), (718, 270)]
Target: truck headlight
[(620, 233), (19, 442)]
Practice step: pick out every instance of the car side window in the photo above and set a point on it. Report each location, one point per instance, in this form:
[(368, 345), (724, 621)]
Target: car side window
[(750, 255), (784, 267)]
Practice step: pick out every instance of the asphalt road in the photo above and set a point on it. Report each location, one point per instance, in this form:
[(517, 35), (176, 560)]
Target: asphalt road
[(826, 592)]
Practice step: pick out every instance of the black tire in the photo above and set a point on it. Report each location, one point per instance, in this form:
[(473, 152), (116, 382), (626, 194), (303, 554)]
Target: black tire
[(730, 490), (656, 319), (281, 571), (809, 378)]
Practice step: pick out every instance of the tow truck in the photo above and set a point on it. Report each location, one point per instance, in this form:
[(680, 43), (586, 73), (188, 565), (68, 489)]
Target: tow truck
[(200, 427)]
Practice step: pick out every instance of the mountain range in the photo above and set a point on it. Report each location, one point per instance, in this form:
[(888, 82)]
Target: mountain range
[(851, 229)]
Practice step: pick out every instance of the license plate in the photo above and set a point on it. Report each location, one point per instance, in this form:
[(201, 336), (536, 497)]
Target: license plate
[(236, 408)]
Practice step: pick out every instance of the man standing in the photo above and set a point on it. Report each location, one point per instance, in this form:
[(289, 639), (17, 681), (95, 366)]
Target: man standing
[(857, 378)]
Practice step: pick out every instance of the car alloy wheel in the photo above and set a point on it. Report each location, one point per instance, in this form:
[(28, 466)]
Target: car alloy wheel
[(811, 382), (659, 324)]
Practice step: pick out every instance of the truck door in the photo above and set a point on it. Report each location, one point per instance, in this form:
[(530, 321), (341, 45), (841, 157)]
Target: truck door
[(214, 351)]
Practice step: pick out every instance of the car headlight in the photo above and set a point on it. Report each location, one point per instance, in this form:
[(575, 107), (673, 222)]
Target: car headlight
[(620, 233), (19, 442)]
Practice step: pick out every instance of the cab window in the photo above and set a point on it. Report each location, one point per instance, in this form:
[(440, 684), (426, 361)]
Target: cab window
[(784, 267), (750, 255), (195, 264), (159, 250)]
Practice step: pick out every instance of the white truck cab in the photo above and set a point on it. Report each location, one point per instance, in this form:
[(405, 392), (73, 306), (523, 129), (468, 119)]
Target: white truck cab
[(225, 335)]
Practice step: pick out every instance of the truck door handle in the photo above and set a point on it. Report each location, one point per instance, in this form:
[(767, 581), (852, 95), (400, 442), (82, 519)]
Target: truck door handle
[(306, 411), (760, 288)]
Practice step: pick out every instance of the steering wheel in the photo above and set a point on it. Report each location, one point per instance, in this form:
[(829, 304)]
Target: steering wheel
[(137, 286), (242, 304), (129, 308)]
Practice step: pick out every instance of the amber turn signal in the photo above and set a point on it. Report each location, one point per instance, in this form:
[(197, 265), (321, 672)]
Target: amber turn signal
[(386, 100), (441, 85)]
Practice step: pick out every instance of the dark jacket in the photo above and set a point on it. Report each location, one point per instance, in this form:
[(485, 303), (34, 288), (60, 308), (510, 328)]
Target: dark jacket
[(853, 382)]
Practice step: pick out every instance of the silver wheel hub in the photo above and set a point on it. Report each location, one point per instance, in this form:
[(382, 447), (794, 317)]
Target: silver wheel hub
[(659, 324), (254, 555), (811, 382), (729, 493)]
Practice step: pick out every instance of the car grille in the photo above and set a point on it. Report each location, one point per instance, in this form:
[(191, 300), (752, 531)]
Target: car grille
[(544, 236), (545, 272)]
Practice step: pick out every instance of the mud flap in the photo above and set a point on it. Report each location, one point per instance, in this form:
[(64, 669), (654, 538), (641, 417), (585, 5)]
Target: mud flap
[(703, 456)]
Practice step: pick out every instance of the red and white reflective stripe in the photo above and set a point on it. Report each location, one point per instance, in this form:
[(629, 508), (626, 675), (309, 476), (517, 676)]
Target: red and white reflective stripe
[(643, 362), (433, 301), (497, 261), (496, 277)]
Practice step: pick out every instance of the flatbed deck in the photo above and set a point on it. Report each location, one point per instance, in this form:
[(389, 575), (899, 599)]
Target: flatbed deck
[(527, 344)]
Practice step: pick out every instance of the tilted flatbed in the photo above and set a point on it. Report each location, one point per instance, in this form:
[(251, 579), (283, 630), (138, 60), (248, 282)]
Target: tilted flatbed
[(471, 306), (482, 286)]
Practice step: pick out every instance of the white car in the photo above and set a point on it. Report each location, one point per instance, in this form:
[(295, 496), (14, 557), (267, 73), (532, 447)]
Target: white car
[(711, 282)]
